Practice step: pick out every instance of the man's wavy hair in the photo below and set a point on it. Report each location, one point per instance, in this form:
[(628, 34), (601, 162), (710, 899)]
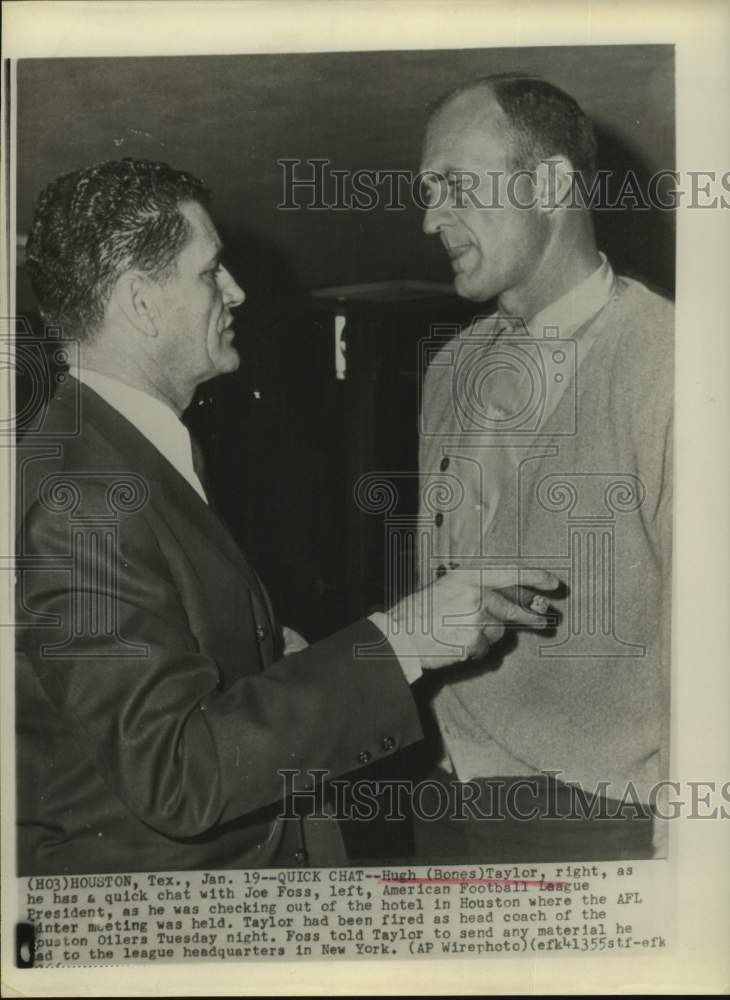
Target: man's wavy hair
[(92, 225), (543, 120)]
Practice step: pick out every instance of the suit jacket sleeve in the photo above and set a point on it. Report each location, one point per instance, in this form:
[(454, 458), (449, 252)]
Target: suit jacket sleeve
[(181, 746)]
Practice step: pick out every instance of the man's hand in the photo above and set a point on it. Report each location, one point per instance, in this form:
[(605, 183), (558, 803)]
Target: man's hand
[(462, 614)]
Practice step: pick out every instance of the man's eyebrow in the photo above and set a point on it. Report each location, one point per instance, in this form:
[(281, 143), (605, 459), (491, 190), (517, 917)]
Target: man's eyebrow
[(442, 172), (216, 257)]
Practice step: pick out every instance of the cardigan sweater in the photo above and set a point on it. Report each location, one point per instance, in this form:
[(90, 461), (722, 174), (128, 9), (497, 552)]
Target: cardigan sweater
[(590, 500)]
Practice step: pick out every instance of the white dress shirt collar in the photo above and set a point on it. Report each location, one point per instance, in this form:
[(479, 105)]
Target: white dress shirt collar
[(579, 305), (152, 418)]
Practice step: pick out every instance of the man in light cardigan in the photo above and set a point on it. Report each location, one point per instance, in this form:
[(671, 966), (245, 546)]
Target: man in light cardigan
[(553, 414)]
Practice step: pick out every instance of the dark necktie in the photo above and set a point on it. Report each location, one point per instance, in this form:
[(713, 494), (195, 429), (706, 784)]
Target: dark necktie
[(200, 469)]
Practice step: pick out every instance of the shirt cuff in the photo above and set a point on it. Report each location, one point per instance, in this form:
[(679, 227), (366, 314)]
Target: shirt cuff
[(405, 651)]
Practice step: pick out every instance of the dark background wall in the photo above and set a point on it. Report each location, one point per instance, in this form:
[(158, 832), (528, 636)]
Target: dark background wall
[(230, 118)]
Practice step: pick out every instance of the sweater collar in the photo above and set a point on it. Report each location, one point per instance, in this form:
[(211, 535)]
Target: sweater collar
[(577, 306)]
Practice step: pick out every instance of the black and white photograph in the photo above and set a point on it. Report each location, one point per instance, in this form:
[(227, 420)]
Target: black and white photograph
[(344, 538)]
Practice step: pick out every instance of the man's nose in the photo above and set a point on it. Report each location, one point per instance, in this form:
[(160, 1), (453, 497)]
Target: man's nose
[(436, 215), (431, 224), (233, 294)]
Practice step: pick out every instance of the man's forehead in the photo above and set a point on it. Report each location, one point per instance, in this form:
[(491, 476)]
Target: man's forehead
[(471, 123), (205, 238)]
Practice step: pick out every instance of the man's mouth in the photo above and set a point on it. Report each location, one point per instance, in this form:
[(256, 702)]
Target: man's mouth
[(457, 251)]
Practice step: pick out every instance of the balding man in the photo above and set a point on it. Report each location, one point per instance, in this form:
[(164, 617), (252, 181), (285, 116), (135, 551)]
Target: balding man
[(554, 413)]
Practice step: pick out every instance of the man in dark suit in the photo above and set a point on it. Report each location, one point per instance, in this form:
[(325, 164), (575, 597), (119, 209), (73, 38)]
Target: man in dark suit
[(154, 710)]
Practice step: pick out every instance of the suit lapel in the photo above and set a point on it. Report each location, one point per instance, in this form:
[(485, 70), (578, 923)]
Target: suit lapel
[(181, 496), (142, 457)]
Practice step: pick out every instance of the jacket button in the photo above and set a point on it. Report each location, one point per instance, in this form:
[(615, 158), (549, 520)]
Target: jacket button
[(444, 463), (260, 633), (388, 743), (441, 571), (363, 757), (300, 857), (439, 519)]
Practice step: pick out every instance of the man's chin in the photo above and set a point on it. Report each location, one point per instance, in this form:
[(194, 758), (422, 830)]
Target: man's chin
[(466, 287)]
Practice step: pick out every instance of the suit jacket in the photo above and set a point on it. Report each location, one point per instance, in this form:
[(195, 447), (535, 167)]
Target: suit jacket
[(152, 717)]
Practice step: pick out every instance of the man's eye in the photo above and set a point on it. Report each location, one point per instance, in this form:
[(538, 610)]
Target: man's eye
[(430, 191)]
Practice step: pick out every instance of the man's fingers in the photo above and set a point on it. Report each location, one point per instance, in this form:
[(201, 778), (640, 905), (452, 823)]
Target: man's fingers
[(504, 610), (527, 598), (498, 579), (540, 579), (493, 631)]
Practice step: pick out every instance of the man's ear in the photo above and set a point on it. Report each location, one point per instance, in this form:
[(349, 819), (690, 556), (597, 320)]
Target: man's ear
[(553, 183), (135, 297)]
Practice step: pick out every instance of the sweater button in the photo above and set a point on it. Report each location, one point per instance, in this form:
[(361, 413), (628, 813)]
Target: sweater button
[(388, 743), (301, 857), (260, 633), (364, 757)]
